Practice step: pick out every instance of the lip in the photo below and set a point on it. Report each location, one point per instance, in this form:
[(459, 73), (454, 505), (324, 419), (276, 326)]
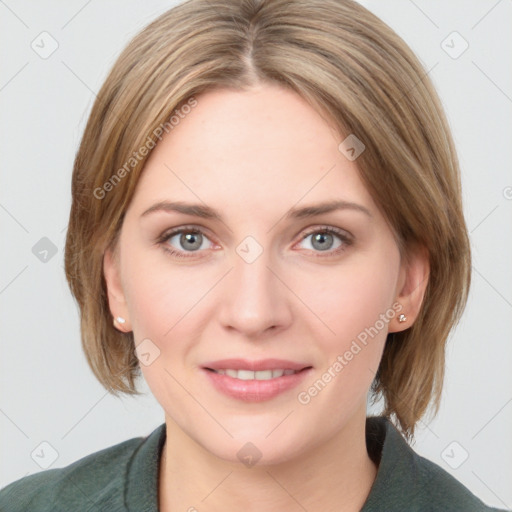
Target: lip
[(262, 364), (255, 390)]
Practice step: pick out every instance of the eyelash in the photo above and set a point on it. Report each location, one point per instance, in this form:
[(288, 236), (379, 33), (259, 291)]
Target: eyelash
[(164, 238)]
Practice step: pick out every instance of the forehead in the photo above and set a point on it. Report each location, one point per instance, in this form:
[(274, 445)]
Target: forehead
[(260, 147)]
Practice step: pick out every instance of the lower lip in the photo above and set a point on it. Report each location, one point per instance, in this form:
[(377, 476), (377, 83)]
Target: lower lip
[(255, 390)]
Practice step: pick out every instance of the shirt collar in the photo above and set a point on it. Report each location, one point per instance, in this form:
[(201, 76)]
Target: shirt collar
[(395, 483), (142, 479), (386, 447)]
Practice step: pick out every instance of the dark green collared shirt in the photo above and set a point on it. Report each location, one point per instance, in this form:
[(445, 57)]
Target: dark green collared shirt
[(124, 477)]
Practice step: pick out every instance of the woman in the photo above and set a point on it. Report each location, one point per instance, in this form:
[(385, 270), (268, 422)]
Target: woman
[(301, 151)]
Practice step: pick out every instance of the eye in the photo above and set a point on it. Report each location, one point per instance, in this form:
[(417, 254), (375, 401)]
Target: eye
[(184, 240), (327, 239)]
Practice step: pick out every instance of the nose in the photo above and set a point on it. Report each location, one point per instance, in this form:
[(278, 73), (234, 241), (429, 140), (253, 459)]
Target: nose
[(254, 300)]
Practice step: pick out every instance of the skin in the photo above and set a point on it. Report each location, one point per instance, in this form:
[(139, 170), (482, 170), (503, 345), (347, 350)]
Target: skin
[(253, 156)]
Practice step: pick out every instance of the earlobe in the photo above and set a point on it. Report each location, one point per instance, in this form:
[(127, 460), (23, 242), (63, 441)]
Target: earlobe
[(414, 274), (115, 293)]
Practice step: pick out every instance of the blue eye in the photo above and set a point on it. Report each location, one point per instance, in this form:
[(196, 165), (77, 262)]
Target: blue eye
[(324, 240), (186, 242), (189, 240)]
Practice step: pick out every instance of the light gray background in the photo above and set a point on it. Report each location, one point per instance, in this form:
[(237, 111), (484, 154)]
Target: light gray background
[(48, 393)]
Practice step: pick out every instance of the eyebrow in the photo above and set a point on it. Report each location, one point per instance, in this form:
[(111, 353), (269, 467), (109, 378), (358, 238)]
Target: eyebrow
[(206, 212)]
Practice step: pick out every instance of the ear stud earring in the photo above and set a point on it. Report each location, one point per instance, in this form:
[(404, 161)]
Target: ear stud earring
[(118, 322), (402, 318)]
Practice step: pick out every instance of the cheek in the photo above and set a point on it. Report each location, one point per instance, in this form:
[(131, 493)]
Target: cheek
[(159, 294), (354, 303), (353, 296), (163, 306), (168, 305)]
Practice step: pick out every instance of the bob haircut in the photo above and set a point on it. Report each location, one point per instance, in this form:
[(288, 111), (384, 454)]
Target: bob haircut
[(362, 78)]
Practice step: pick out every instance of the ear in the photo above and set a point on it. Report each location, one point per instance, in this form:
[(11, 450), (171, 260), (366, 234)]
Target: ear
[(412, 283), (116, 298)]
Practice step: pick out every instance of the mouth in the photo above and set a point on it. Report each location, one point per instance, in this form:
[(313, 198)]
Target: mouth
[(255, 381), (239, 374)]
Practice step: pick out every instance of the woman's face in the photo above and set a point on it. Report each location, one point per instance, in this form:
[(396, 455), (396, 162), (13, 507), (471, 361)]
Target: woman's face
[(251, 273)]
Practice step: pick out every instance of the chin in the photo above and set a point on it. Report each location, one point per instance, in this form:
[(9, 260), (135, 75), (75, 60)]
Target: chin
[(258, 449)]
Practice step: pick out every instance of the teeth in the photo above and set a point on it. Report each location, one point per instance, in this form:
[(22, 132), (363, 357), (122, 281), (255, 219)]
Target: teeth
[(244, 374), (263, 375), (258, 375)]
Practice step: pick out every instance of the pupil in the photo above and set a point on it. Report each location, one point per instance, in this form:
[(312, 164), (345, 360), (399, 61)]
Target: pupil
[(193, 239), (321, 237)]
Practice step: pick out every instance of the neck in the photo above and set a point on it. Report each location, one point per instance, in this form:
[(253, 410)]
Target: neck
[(334, 476)]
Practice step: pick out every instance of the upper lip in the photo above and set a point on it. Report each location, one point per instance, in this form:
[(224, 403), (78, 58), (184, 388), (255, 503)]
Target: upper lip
[(262, 364)]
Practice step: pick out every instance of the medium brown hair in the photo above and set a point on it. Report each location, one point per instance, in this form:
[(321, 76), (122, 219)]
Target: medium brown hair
[(362, 77)]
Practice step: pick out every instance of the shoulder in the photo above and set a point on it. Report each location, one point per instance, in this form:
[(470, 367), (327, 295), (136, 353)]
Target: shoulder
[(407, 481), (441, 491), (95, 479)]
